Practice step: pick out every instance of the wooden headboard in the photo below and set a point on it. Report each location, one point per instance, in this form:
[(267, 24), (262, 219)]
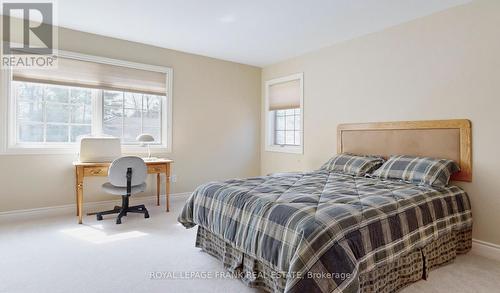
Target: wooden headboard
[(448, 139)]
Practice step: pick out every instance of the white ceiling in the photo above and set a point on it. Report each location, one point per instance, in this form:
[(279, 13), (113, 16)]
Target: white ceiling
[(256, 32)]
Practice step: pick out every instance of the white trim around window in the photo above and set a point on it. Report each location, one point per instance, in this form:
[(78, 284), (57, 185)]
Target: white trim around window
[(9, 145), (270, 126)]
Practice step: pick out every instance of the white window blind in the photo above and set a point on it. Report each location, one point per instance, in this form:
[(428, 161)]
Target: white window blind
[(284, 95), (80, 73)]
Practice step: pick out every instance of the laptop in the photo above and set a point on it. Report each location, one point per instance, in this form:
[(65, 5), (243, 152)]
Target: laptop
[(99, 149)]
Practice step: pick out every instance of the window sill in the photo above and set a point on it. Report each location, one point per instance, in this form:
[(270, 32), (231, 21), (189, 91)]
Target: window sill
[(285, 149), (75, 149), (136, 150), (40, 150)]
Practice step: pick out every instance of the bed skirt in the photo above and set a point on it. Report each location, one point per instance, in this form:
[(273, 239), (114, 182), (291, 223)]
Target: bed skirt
[(389, 277)]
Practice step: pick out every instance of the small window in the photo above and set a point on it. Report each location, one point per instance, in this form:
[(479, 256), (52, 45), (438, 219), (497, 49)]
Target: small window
[(284, 107), (287, 127)]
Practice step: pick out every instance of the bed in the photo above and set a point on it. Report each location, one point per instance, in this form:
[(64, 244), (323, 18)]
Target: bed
[(324, 231)]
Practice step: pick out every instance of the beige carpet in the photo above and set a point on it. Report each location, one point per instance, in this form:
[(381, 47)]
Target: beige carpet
[(51, 253)]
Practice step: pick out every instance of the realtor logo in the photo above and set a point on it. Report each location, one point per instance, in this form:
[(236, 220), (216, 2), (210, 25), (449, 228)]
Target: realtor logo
[(28, 35)]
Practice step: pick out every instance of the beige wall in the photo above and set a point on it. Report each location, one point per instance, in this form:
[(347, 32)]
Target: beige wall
[(216, 116), (442, 66)]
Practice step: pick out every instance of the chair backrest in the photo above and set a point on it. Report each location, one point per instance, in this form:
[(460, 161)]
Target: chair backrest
[(117, 173)]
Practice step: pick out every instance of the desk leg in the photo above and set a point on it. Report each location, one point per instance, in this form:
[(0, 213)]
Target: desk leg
[(79, 193), (76, 191), (158, 186), (167, 187)]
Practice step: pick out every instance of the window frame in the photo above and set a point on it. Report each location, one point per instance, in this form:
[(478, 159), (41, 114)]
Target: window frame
[(270, 118), (8, 133)]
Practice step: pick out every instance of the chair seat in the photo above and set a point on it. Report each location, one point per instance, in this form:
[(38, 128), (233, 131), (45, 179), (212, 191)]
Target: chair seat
[(109, 188)]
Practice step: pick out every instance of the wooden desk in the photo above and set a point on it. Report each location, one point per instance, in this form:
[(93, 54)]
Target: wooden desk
[(83, 170)]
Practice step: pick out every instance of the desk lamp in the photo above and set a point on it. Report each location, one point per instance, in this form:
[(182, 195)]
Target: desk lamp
[(146, 139)]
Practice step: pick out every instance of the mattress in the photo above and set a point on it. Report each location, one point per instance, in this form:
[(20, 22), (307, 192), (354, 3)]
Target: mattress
[(320, 230)]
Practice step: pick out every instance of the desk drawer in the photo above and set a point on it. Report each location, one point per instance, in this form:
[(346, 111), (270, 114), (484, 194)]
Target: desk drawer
[(153, 169), (95, 171)]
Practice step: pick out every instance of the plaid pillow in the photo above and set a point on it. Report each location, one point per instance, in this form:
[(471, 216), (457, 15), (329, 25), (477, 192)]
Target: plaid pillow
[(353, 164), (418, 170)]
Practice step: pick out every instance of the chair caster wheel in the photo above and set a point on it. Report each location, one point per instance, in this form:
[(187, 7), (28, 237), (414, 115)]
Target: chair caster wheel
[(146, 215), (118, 222), (99, 217)]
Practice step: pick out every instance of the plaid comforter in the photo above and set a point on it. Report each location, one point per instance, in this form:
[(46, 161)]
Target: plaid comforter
[(321, 229)]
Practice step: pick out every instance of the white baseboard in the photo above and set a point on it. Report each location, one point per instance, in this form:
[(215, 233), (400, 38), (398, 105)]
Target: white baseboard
[(486, 249), (92, 205)]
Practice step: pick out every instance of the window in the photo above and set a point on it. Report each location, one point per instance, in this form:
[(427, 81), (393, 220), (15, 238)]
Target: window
[(287, 127), (85, 95), (51, 114), (127, 115), (284, 107)]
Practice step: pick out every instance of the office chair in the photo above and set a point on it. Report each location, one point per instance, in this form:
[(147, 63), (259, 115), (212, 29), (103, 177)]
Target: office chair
[(126, 177)]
